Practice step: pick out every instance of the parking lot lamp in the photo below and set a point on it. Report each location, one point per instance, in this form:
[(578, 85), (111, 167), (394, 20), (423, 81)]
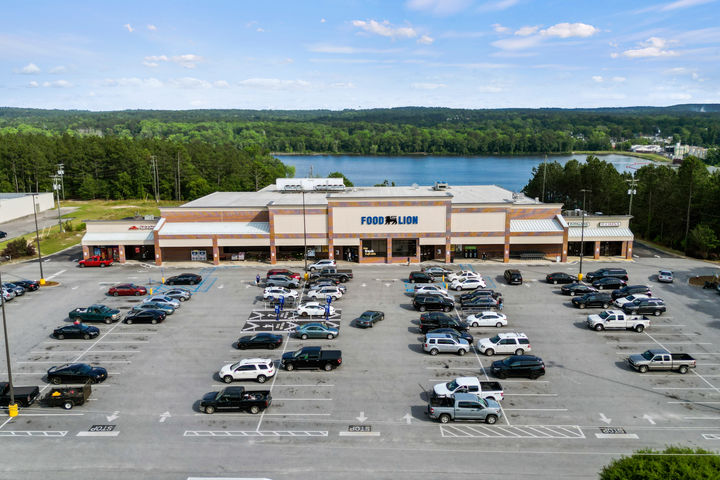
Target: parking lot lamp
[(37, 240), (304, 231), (582, 233), (12, 407)]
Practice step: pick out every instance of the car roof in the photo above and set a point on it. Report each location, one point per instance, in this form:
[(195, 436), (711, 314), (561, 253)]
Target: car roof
[(250, 361), (512, 335), (466, 397), (468, 380)]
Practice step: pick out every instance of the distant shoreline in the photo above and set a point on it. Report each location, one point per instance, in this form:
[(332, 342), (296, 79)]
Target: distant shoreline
[(644, 156)]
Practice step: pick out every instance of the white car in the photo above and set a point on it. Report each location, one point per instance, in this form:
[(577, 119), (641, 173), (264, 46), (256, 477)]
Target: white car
[(510, 343), (8, 294), (462, 275), (430, 288), (467, 284), (277, 292), (162, 299), (620, 302), (320, 264), (259, 369), (665, 276), (313, 309), (487, 319), (324, 292)]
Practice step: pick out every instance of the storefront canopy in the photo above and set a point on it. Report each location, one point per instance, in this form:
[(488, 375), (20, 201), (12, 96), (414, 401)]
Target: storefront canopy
[(548, 225), (601, 233), (134, 237), (214, 228)]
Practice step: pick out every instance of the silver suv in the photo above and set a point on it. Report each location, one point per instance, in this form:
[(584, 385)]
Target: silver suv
[(511, 343), (445, 343)]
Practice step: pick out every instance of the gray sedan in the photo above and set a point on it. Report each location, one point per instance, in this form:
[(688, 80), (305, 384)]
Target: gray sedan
[(178, 294)]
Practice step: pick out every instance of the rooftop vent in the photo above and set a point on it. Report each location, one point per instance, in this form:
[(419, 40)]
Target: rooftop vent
[(440, 186)]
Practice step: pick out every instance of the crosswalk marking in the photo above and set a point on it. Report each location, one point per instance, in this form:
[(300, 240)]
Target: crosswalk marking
[(522, 431)]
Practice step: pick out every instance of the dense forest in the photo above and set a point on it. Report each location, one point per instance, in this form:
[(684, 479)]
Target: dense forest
[(394, 131), (676, 207)]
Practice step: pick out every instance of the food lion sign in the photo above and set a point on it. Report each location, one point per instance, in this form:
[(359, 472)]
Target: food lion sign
[(389, 220)]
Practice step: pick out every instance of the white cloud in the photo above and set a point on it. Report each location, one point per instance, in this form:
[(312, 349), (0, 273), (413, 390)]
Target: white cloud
[(152, 27), (343, 85), (133, 82), (427, 86), (385, 29), (260, 29), (489, 89), (30, 69), (221, 84), (498, 5), (58, 69), (499, 28), (438, 7), (567, 30), (190, 82), (518, 43), (683, 4), (425, 40), (129, 27), (653, 47), (188, 60), (58, 84), (597, 78), (33, 84), (525, 31), (274, 84), (677, 70), (322, 20), (618, 79), (342, 49), (614, 55)]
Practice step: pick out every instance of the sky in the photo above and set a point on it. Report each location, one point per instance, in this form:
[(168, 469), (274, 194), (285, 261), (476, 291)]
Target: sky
[(356, 54)]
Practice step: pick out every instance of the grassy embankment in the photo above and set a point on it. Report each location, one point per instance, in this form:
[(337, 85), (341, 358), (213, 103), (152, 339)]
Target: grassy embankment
[(52, 240), (645, 156)]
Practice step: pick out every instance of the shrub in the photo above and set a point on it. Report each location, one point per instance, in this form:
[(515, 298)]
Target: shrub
[(673, 462), (19, 248)]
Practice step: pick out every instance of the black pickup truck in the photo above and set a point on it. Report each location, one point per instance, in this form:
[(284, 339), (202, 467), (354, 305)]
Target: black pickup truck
[(312, 357), (236, 398), (68, 397), (343, 275), (24, 396)]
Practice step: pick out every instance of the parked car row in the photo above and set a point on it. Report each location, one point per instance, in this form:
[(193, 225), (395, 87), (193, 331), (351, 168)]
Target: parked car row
[(18, 288)]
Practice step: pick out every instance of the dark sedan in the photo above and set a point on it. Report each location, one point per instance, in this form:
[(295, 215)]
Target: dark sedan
[(454, 333), (76, 373), (145, 316), (184, 279), (593, 300), (369, 318), (29, 285), (85, 332), (126, 289), (420, 277), (437, 271), (608, 283), (577, 289), (260, 340), (3, 234), (519, 366), (560, 277)]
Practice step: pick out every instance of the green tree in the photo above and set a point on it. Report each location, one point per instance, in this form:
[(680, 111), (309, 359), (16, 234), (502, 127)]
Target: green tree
[(673, 462), (702, 241), (346, 181)]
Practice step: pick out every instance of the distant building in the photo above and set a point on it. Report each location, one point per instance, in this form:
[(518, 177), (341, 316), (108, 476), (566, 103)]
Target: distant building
[(17, 205), (682, 151), (647, 149)]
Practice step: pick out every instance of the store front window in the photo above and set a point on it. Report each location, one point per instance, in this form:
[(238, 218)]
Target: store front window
[(374, 248), (404, 248)]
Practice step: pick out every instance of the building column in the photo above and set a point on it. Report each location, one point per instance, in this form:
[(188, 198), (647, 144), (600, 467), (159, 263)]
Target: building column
[(216, 251), (331, 249), (388, 254), (360, 251), (158, 250), (121, 253), (623, 249), (564, 247), (448, 250), (596, 251), (628, 254), (506, 247), (86, 251), (273, 258), (417, 250)]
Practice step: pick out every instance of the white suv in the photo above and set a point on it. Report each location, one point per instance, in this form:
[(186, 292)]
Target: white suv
[(320, 264), (462, 275), (470, 283), (324, 292), (510, 343), (277, 292), (313, 309), (259, 369)]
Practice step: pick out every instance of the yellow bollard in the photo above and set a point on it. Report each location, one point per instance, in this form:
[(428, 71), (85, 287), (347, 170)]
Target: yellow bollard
[(579, 277), (42, 281), (13, 410), (150, 291), (162, 280)]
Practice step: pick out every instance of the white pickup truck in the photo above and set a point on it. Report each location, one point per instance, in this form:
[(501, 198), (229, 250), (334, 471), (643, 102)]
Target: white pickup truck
[(617, 320), (487, 390)]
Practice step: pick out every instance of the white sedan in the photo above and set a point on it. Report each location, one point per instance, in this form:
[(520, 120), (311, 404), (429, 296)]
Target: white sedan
[(277, 292), (487, 319), (620, 302), (467, 284), (429, 288), (313, 309), (162, 299), (324, 292), (462, 275)]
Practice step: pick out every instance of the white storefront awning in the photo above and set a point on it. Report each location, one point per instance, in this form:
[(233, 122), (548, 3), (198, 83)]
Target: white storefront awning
[(600, 233), (547, 225), (215, 228), (134, 237)]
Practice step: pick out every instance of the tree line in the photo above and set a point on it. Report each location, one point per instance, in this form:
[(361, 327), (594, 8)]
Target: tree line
[(678, 207)]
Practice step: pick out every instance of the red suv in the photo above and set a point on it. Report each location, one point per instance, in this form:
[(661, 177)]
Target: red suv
[(127, 289), (283, 271), (95, 261)]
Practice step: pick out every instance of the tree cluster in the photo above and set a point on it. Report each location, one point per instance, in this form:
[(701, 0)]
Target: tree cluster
[(678, 207), (673, 462)]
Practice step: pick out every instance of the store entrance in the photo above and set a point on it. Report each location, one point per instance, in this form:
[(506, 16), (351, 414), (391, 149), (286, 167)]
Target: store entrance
[(349, 254), (427, 253)]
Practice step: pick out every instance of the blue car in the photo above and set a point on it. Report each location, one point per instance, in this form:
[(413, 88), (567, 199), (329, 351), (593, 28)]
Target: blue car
[(316, 330)]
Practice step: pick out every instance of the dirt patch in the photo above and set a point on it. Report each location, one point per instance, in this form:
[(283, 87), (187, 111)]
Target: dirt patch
[(699, 280), (50, 283)]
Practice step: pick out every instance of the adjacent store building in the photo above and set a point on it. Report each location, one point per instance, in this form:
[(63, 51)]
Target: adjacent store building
[(361, 224), (18, 205)]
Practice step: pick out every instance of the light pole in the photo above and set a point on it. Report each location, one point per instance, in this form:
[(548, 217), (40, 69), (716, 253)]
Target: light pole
[(37, 239), (12, 407), (631, 191), (582, 233), (304, 231)]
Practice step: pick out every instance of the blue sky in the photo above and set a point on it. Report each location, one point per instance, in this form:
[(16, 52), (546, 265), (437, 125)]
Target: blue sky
[(358, 54)]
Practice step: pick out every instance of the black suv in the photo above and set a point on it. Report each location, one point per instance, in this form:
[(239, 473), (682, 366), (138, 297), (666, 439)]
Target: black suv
[(480, 303), (607, 272), (432, 302), (184, 279), (631, 290), (608, 283), (593, 300), (434, 320), (560, 277), (519, 366), (577, 289), (419, 277), (465, 297), (513, 277), (644, 306)]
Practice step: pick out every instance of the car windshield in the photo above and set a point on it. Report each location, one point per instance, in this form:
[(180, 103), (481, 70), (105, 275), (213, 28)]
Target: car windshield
[(604, 315), (647, 355), (235, 365), (452, 385), (495, 339), (84, 369), (630, 298)]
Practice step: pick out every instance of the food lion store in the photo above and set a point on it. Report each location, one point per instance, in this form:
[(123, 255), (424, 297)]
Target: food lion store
[(361, 224)]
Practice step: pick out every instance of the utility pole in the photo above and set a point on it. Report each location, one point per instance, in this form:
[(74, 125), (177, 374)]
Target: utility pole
[(153, 166), (177, 187), (56, 190), (687, 222), (582, 232), (61, 172), (12, 407), (631, 191), (37, 239), (544, 172)]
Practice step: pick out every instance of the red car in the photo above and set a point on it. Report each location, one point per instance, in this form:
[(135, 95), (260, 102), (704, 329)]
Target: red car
[(127, 289), (283, 271), (95, 261)]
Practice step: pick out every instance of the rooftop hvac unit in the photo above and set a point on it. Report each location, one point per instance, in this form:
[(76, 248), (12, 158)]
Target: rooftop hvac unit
[(440, 186)]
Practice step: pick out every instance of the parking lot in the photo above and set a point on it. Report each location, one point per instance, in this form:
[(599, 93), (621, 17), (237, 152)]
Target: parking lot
[(366, 417)]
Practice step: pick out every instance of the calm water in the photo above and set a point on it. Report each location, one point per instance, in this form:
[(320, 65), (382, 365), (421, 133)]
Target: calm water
[(512, 173)]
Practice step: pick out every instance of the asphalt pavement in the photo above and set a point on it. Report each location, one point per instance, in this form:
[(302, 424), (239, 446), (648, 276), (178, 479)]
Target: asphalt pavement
[(21, 226)]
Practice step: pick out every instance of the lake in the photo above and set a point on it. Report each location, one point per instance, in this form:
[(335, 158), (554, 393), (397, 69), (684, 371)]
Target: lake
[(512, 173)]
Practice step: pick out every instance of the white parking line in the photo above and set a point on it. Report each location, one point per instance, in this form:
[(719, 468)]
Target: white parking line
[(701, 418), (451, 368), (686, 388), (74, 361), (270, 415), (695, 403), (55, 275), (304, 399), (656, 343), (536, 409), (94, 352), (531, 394), (272, 384)]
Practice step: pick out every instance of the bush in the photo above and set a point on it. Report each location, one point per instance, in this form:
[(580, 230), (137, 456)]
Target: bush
[(19, 248), (673, 462)]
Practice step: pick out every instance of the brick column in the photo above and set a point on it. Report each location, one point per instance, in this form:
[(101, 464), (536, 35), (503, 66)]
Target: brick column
[(628, 255), (417, 250), (273, 257), (448, 232), (564, 248), (271, 224), (623, 249), (158, 250), (596, 251), (360, 251), (216, 250), (86, 251), (506, 247), (121, 253), (331, 242), (388, 254)]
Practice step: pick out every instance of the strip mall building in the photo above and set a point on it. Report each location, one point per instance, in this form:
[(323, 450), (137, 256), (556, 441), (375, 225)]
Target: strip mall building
[(362, 224)]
